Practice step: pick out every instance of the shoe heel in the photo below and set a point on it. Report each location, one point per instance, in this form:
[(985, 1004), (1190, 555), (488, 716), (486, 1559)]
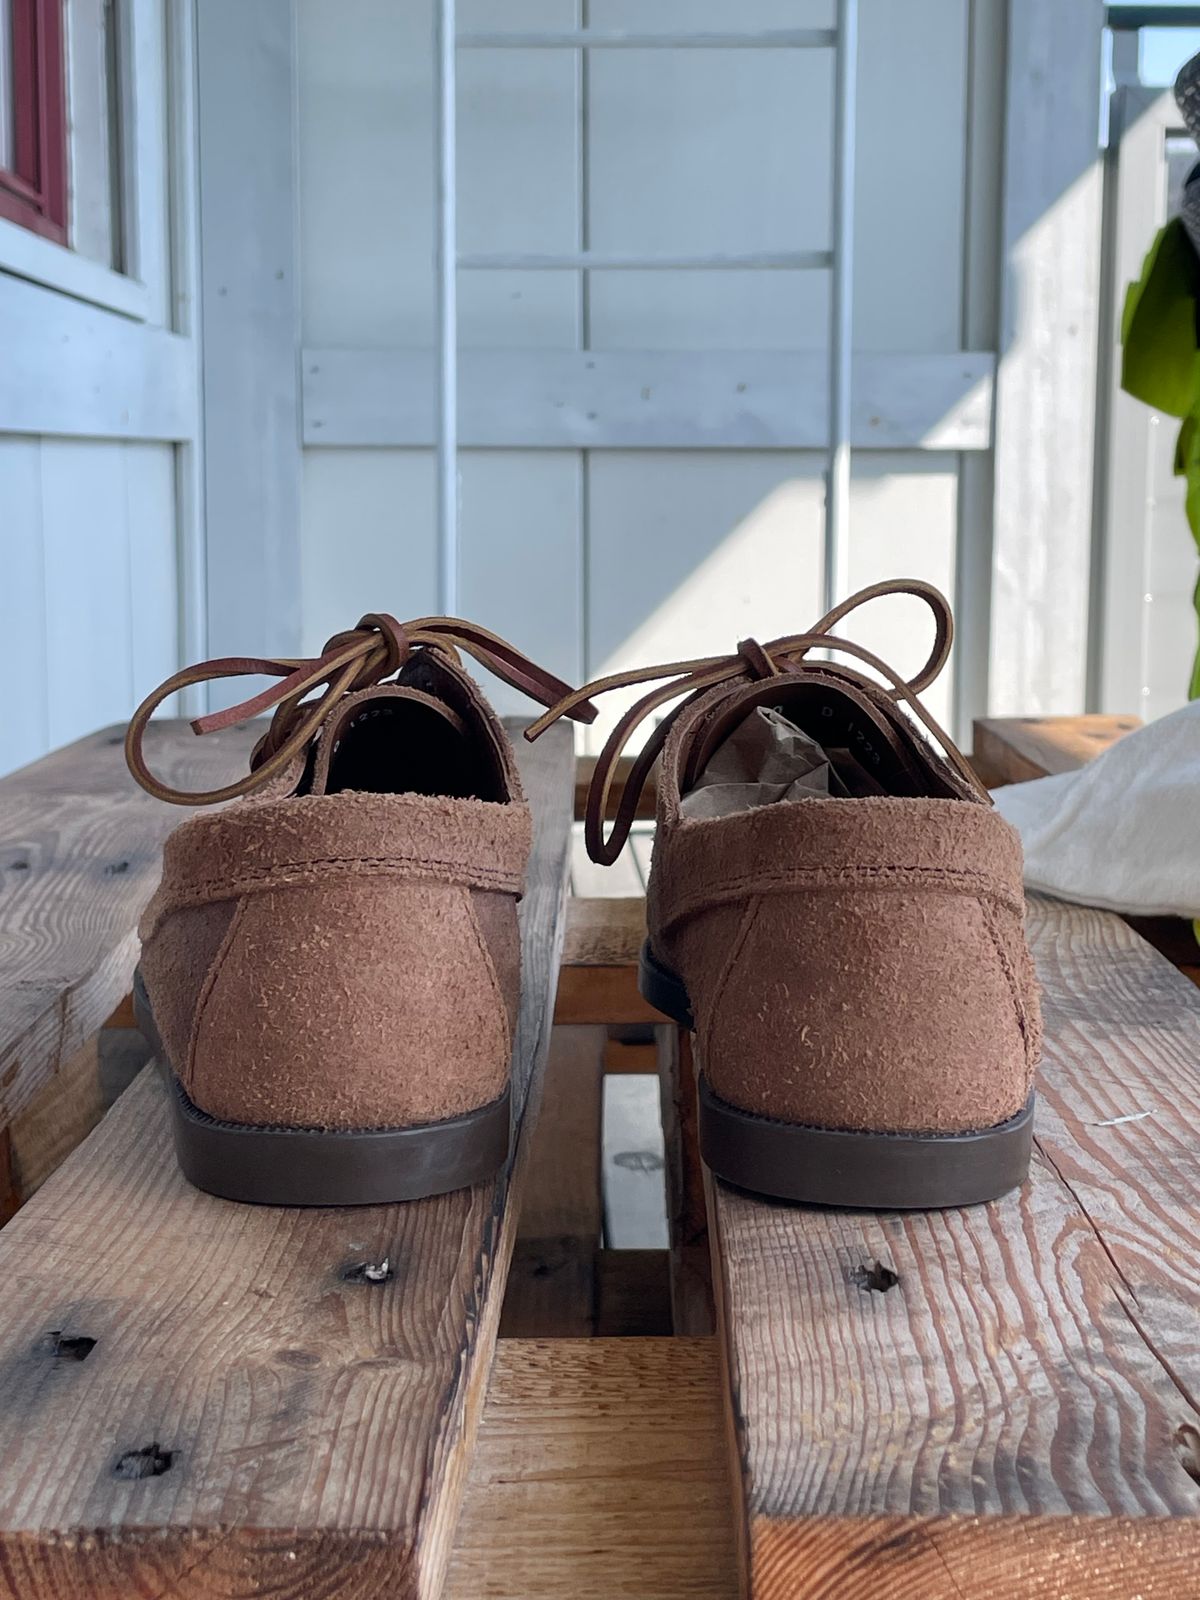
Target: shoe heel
[(327, 1167), (863, 1171), (336, 1167)]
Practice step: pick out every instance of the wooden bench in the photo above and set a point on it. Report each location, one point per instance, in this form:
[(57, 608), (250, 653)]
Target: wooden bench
[(198, 1398), (1015, 1414)]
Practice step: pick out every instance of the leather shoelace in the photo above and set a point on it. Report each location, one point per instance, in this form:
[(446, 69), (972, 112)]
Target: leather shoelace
[(751, 660), (356, 659)]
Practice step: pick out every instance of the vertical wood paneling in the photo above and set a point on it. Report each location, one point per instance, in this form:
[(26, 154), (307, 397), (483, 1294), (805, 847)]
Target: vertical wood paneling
[(905, 511), (518, 163), (88, 602), (1046, 380), (729, 545), (365, 175), (521, 555), (368, 541), (23, 730), (365, 126), (89, 527), (246, 60), (89, 606), (689, 150), (153, 565)]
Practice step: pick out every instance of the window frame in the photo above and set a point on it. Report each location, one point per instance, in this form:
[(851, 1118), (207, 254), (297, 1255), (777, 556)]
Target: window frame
[(33, 193)]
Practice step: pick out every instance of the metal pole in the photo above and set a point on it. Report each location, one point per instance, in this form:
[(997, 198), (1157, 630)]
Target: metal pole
[(837, 497), (446, 268)]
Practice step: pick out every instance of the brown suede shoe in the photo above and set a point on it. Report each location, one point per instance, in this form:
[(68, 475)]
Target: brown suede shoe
[(331, 967), (837, 912)]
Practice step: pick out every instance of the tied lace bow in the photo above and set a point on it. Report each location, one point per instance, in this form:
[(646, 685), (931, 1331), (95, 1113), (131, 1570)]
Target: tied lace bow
[(359, 658), (751, 661)]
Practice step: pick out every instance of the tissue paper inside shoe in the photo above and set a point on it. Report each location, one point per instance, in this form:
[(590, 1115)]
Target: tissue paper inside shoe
[(764, 760)]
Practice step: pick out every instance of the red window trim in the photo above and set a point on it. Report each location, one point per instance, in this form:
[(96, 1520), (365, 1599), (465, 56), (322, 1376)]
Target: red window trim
[(34, 192)]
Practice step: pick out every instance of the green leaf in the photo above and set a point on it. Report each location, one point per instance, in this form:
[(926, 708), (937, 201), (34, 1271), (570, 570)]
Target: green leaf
[(1158, 329)]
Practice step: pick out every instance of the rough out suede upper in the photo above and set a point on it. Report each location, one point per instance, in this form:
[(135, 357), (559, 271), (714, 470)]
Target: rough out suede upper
[(338, 949), (840, 953), (340, 960)]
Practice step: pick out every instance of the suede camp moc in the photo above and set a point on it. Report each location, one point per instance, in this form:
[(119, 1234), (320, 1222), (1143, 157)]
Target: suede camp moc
[(837, 912), (330, 967)]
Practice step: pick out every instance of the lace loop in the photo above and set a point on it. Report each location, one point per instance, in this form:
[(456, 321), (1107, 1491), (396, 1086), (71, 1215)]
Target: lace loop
[(751, 661), (758, 663), (358, 658)]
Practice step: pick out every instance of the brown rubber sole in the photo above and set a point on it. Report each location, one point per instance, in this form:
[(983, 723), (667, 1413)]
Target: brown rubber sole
[(283, 1166), (865, 1171)]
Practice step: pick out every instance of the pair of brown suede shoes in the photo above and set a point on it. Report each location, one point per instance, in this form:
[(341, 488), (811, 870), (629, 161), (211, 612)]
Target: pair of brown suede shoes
[(331, 967)]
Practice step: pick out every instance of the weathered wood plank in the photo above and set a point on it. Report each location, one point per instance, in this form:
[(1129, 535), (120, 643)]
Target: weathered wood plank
[(648, 399), (687, 1216), (633, 1294), (1014, 749), (599, 1471), (80, 849), (59, 1117), (313, 1427), (585, 768), (598, 982), (1014, 1415), (552, 1280)]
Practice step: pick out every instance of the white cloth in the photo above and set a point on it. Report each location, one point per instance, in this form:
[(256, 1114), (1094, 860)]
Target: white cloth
[(1122, 833)]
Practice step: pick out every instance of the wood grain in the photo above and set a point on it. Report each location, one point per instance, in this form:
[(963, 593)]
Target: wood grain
[(599, 1473), (1014, 1416), (633, 1294), (59, 1117), (551, 1289), (687, 1217), (1014, 749), (598, 983), (623, 1056), (604, 932), (585, 767), (318, 1426), (80, 850)]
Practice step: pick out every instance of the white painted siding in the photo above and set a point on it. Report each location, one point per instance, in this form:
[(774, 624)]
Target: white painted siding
[(594, 559), (98, 420), (88, 620)]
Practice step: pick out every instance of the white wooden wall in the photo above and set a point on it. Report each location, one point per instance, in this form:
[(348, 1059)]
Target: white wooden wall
[(98, 422), (642, 471), (595, 559)]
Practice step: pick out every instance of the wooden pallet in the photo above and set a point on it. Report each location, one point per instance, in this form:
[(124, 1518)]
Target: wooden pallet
[(80, 848), (199, 1398)]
